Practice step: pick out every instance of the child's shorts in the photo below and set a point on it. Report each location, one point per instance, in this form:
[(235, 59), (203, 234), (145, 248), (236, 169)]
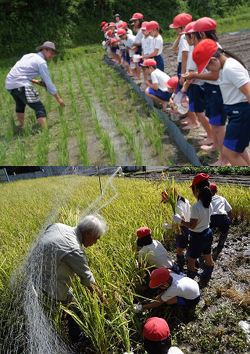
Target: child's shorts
[(215, 110), (196, 95), (113, 49), (159, 62), (164, 96), (238, 129), (220, 221), (181, 301), (200, 243), (183, 239), (179, 87)]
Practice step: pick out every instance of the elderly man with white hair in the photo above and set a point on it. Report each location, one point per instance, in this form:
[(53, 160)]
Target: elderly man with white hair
[(61, 256)]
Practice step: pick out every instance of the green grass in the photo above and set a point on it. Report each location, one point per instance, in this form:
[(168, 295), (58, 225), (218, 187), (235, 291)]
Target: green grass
[(29, 206)]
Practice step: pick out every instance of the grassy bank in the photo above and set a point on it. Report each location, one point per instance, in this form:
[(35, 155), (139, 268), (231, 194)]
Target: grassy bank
[(29, 206)]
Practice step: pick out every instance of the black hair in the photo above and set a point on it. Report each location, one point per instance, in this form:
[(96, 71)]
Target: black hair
[(197, 35), (205, 194), (212, 34), (140, 22), (144, 241), (159, 347), (188, 35), (180, 197), (229, 54), (160, 30)]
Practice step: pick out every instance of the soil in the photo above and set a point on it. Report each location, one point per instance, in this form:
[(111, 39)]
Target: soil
[(238, 43)]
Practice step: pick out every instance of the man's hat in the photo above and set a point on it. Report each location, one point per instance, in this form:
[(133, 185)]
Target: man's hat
[(48, 45)]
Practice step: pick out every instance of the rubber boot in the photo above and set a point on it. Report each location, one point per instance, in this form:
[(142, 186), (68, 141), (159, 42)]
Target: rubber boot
[(206, 275), (222, 240), (175, 268), (191, 274), (180, 262)]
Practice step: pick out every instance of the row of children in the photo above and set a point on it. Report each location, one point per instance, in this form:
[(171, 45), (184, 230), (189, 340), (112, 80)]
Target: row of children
[(216, 81), (210, 211)]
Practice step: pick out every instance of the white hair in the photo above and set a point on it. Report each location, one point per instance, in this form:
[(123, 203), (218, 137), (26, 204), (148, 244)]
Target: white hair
[(95, 224)]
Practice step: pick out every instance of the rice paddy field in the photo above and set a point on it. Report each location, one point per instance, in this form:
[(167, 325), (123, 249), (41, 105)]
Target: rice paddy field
[(104, 121), (28, 207)]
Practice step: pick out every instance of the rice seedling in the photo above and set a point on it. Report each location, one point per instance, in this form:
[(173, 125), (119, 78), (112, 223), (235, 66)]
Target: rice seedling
[(43, 148), (3, 151), (18, 156)]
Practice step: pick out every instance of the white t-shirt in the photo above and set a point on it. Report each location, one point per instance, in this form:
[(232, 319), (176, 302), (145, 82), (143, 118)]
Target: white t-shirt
[(202, 215), (159, 77), (184, 209), (146, 44), (192, 66), (183, 287), (139, 36), (129, 32), (234, 75), (157, 44), (183, 47), (156, 254), (175, 350), (220, 205), (129, 42)]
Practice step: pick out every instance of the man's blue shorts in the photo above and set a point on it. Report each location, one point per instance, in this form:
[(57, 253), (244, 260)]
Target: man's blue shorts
[(183, 239), (164, 96), (21, 102), (220, 221), (200, 243), (196, 95), (215, 110), (237, 136)]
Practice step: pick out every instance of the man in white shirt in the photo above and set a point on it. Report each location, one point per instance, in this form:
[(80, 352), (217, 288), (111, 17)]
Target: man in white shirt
[(220, 217), (18, 82)]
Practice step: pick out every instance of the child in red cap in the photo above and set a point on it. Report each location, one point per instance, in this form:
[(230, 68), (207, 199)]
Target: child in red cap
[(201, 236), (152, 252), (137, 19), (156, 48), (156, 90), (221, 217), (176, 289), (235, 90), (157, 337)]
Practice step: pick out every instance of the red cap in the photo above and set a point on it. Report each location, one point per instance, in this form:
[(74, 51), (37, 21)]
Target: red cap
[(156, 329), (121, 31), (199, 178), (136, 16), (122, 24), (203, 52), (159, 276), (189, 28), (181, 20), (109, 33), (103, 23), (213, 187), (144, 25), (143, 231), (111, 24), (151, 26), (172, 82), (205, 24), (149, 62), (105, 27), (113, 40)]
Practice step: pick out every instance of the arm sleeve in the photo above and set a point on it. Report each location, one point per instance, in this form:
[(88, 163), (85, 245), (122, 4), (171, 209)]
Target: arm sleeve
[(194, 212), (44, 72), (169, 294), (78, 263), (237, 75), (227, 206), (154, 78)]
